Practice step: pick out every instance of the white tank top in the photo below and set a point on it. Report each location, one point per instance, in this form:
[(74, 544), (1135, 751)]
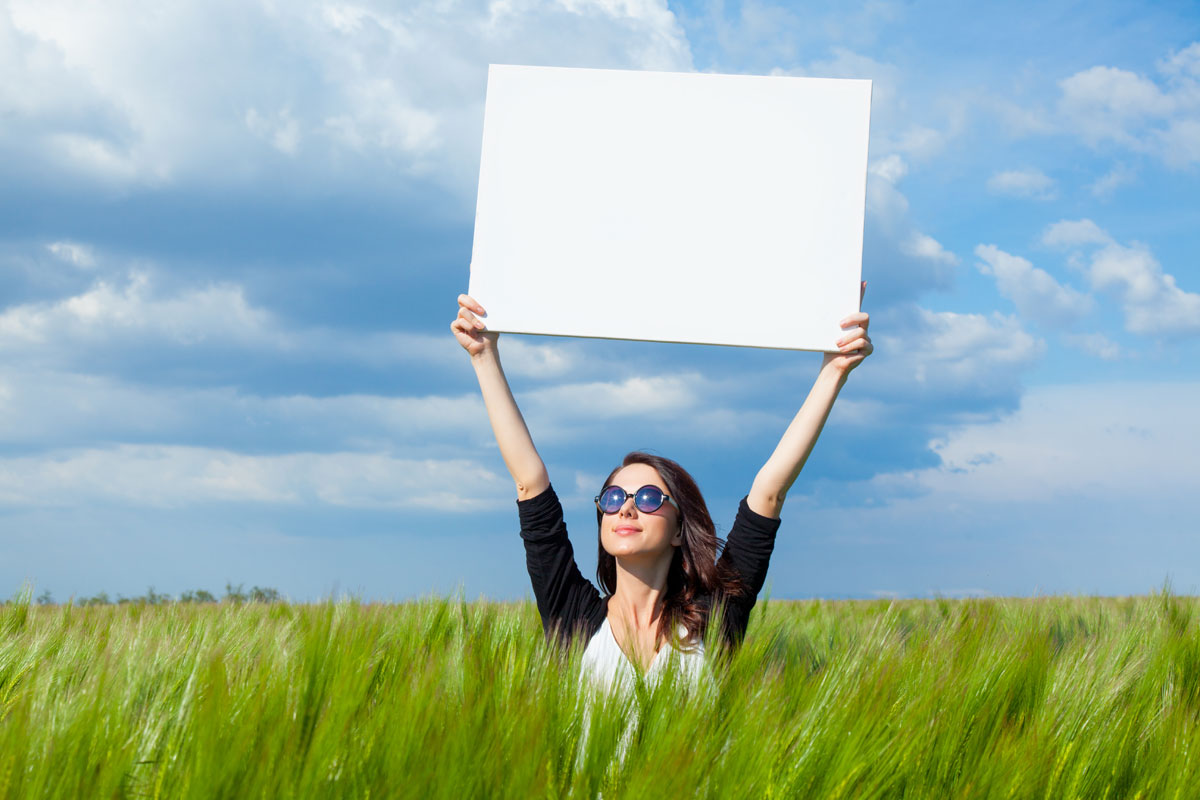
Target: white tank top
[(606, 666)]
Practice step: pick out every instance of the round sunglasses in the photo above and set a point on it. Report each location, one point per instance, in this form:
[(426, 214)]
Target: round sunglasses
[(647, 499)]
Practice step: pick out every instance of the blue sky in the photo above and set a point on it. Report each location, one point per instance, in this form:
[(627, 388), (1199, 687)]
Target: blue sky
[(231, 235)]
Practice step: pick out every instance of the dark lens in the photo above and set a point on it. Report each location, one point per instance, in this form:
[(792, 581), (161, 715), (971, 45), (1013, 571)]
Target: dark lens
[(611, 499), (649, 499)]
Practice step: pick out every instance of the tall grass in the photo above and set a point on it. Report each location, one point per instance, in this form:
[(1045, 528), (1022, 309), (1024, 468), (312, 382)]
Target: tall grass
[(1046, 698)]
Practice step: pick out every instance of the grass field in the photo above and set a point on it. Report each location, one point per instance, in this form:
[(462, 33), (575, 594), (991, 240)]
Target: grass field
[(1043, 698)]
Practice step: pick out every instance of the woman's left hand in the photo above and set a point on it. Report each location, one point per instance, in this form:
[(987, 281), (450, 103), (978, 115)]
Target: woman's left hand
[(855, 344)]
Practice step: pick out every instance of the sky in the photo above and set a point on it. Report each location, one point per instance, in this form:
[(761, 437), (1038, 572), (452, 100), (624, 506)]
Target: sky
[(232, 234)]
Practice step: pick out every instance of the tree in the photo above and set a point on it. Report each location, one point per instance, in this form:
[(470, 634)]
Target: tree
[(260, 594)]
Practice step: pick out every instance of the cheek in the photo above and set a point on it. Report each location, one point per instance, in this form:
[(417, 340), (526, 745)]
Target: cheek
[(608, 539)]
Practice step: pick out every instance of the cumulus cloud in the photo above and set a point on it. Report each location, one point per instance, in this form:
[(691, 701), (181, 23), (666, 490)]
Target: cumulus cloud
[(1040, 500), (1072, 233), (362, 89), (1107, 184), (899, 260), (1160, 117), (108, 310), (1096, 344), (890, 168), (56, 409), (608, 399), (1029, 183), (923, 246), (1035, 293), (75, 254), (1129, 440), (895, 127), (1151, 300), (937, 355), (280, 130), (140, 310), (174, 476)]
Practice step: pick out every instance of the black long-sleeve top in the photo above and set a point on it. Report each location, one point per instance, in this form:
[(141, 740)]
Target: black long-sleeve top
[(570, 605)]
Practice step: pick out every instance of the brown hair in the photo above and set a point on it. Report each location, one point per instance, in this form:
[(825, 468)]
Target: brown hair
[(695, 580)]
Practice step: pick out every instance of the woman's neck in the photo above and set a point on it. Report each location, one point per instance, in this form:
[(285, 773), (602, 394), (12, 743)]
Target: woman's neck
[(639, 593)]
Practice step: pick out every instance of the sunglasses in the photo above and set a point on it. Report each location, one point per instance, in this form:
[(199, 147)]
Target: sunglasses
[(647, 499)]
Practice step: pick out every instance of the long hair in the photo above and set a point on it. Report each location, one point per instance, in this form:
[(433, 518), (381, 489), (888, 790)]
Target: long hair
[(695, 580)]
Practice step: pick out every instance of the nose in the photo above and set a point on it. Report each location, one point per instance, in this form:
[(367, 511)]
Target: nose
[(628, 508)]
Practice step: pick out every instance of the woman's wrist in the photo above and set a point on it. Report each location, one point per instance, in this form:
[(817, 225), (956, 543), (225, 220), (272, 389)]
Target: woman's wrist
[(486, 357), (832, 371)]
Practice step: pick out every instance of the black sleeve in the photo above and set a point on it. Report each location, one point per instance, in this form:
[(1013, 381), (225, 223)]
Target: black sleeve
[(567, 602), (748, 553)]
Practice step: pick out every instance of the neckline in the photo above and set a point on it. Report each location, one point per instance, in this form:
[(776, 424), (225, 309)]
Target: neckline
[(613, 638)]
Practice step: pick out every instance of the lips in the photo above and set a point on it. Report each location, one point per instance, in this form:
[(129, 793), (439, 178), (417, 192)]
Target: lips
[(626, 530)]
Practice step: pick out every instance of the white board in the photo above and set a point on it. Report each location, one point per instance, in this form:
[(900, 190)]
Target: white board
[(677, 207)]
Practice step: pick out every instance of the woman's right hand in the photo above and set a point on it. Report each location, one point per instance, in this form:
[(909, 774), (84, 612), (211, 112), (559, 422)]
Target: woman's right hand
[(470, 331)]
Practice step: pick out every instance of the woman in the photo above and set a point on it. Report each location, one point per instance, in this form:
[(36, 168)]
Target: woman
[(658, 546)]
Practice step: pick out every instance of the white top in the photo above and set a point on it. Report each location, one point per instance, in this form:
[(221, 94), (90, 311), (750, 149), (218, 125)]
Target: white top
[(607, 666)]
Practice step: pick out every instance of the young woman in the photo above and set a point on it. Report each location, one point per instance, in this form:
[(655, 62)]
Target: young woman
[(658, 565)]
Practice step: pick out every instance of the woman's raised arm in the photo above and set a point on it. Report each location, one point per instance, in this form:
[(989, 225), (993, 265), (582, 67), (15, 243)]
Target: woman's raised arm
[(776, 477), (516, 445)]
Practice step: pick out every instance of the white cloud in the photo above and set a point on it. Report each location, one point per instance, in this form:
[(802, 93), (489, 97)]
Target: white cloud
[(138, 311), (54, 409), (939, 354), (280, 130), (1109, 97), (609, 399), (1106, 104), (1183, 64), (77, 254), (1151, 300), (887, 207), (1035, 293), (920, 245), (896, 129), (664, 407), (1096, 344), (538, 360), (1104, 441), (218, 312), (1072, 233), (1019, 120), (1107, 184), (368, 88), (1029, 183), (175, 476), (890, 168), (919, 142), (889, 232), (965, 345), (1180, 142)]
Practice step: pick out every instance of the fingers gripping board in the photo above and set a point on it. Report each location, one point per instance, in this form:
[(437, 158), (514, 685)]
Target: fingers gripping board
[(678, 207)]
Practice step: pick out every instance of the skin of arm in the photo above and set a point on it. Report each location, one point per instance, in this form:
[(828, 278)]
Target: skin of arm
[(512, 435), (776, 477)]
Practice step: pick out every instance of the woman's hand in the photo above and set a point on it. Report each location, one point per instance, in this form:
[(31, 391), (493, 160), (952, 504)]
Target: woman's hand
[(470, 331), (855, 344)]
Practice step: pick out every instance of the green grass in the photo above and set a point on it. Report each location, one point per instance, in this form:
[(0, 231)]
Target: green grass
[(1044, 698)]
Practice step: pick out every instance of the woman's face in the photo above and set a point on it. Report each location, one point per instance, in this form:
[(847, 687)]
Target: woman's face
[(630, 533)]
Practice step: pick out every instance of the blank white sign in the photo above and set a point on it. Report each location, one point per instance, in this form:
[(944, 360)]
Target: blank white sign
[(675, 207)]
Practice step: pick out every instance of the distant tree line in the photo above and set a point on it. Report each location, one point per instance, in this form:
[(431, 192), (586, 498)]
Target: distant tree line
[(233, 594)]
